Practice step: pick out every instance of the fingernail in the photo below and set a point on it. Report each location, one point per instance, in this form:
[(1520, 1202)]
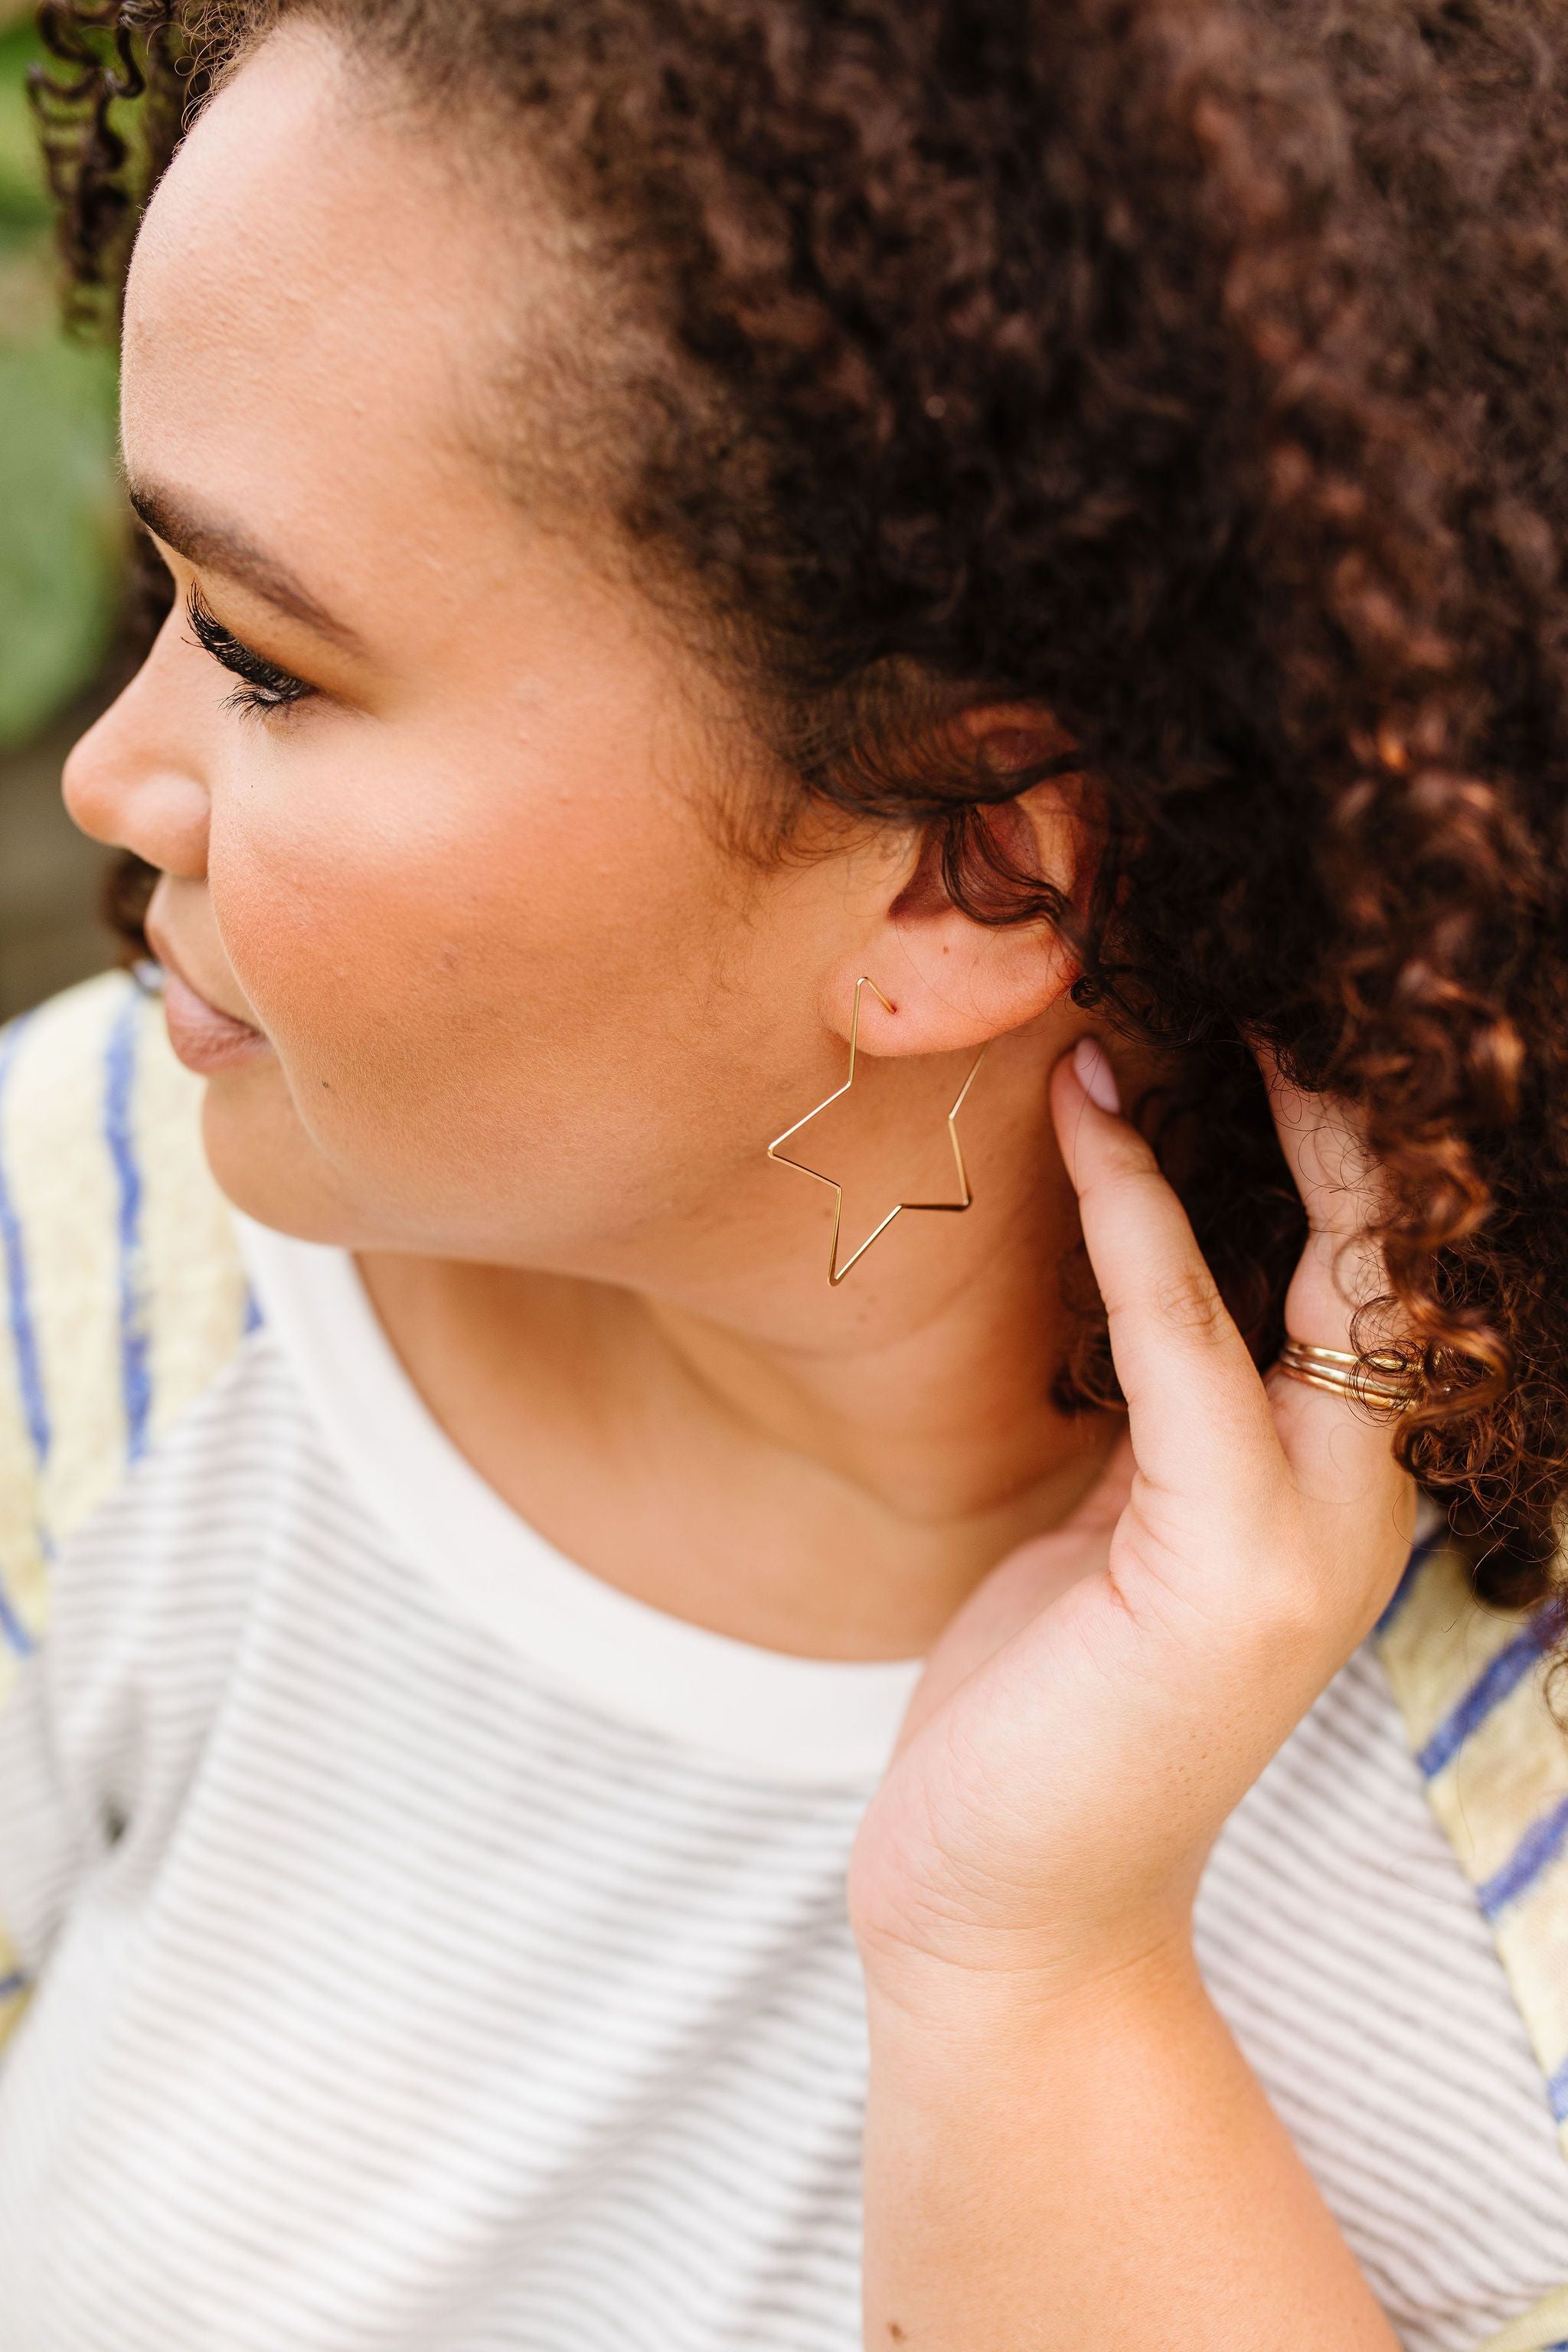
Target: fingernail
[(1095, 1075)]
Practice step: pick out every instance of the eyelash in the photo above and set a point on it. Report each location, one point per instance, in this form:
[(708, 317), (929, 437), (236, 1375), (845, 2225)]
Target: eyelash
[(266, 686)]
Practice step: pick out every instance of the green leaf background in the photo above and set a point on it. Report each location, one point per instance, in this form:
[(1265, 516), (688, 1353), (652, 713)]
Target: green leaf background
[(61, 526)]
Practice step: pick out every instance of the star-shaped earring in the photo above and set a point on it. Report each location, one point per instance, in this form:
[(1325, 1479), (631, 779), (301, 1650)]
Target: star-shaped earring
[(835, 1273)]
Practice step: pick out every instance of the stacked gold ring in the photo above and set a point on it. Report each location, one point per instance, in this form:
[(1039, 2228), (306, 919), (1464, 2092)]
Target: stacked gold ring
[(1361, 1378)]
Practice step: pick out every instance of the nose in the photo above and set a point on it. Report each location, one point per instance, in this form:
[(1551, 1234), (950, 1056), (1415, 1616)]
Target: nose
[(135, 778)]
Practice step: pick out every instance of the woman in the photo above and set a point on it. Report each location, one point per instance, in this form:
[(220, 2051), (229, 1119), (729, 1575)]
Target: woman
[(964, 605)]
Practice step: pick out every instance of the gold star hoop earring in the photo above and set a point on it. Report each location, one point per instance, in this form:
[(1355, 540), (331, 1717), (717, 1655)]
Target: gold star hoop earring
[(835, 1273)]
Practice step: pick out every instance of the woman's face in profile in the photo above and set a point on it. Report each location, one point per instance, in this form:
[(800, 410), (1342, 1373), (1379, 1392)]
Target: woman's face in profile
[(519, 998)]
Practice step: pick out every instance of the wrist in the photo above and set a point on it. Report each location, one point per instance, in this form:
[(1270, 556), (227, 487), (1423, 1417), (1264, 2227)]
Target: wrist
[(936, 2009)]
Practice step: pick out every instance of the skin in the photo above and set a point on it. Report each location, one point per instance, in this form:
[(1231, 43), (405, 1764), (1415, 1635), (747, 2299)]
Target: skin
[(509, 1019), (525, 1010)]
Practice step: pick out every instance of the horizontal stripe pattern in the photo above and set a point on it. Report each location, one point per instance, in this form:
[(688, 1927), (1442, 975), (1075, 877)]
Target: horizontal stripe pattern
[(1471, 1686), (388, 1996), (1339, 1936), (503, 2023)]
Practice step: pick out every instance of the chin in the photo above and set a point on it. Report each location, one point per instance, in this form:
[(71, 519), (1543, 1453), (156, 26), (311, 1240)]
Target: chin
[(265, 1164)]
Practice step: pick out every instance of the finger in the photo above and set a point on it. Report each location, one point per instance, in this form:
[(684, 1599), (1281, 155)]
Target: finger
[(1340, 1451), (1324, 1142), (1198, 1415), (1341, 1189)]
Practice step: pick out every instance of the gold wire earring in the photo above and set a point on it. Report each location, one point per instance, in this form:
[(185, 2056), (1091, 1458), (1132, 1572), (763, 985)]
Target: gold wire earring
[(835, 1273)]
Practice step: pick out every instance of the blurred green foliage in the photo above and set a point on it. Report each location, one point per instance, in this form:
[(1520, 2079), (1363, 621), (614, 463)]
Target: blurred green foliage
[(61, 528)]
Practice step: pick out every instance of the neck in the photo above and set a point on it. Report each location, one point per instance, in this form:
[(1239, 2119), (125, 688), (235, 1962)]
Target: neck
[(831, 1475)]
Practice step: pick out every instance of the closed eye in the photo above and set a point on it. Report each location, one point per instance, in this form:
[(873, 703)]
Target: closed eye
[(266, 686)]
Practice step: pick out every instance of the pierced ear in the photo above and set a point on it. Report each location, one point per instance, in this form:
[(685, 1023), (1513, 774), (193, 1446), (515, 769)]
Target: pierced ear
[(957, 978)]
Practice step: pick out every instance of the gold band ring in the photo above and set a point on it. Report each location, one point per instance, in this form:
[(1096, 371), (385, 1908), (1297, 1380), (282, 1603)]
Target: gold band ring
[(1364, 1379)]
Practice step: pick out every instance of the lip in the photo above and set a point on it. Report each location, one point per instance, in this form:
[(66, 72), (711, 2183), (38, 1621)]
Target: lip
[(204, 1037)]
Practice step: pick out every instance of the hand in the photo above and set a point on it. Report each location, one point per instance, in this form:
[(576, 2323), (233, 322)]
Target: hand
[(1099, 1707)]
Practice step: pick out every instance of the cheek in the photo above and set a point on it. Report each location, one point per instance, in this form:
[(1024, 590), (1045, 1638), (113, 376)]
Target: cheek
[(467, 981)]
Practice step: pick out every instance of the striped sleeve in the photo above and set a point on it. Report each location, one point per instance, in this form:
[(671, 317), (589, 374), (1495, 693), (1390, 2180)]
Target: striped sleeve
[(121, 1288), (1471, 1687)]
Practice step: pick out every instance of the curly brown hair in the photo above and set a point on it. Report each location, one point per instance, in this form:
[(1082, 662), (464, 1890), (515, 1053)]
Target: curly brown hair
[(1190, 370)]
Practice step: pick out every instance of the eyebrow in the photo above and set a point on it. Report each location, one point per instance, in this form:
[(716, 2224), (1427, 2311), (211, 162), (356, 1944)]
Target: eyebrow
[(216, 545)]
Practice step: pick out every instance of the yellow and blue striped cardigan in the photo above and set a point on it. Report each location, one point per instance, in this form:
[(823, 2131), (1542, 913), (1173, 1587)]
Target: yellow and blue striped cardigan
[(121, 1295)]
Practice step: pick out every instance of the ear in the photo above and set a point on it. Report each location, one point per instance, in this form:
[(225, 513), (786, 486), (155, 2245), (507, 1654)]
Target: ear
[(952, 980)]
